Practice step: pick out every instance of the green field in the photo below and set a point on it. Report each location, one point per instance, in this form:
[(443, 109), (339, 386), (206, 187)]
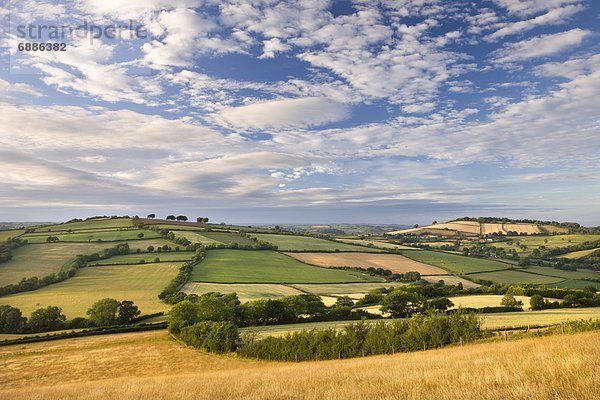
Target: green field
[(245, 291), (140, 283), (196, 237), (514, 276), (356, 289), (94, 236), (90, 224), (228, 238), (454, 262), (42, 259), (579, 274), (575, 284), (580, 253), (5, 235), (550, 242), (307, 243), (247, 266), (136, 258)]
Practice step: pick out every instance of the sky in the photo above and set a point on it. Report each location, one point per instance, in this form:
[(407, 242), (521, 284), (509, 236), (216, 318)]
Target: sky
[(260, 111)]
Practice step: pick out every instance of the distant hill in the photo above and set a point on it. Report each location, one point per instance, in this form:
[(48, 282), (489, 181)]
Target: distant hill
[(476, 228)]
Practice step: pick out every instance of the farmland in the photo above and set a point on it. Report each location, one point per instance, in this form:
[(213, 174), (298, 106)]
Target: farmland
[(245, 291), (455, 263), (550, 242), (5, 235), (196, 237), (393, 262), (136, 258), (486, 300), (515, 276), (95, 236), (580, 253), (241, 266), (228, 238), (98, 223), (307, 243), (145, 364), (43, 259), (376, 243), (140, 283), (451, 280)]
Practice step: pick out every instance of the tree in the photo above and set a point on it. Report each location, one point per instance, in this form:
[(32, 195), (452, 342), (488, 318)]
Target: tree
[(509, 301), (344, 301), (205, 220), (200, 220), (182, 218), (11, 320), (52, 239), (104, 312), (304, 304), (46, 319), (140, 235), (151, 216), (415, 225), (150, 249), (440, 303), (170, 218), (536, 302), (400, 303), (127, 312)]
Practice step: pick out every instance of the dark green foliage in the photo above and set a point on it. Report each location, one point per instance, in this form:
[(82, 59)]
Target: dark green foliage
[(7, 247), (46, 319), (104, 312), (420, 332), (400, 303), (217, 337), (127, 312), (536, 302), (11, 320)]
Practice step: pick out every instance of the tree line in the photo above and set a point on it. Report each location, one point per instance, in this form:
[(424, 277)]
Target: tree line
[(105, 312)]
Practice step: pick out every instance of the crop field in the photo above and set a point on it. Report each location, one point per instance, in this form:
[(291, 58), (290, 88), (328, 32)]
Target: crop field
[(135, 258), (451, 280), (454, 262), (377, 243), (228, 238), (144, 243), (5, 235), (90, 224), (484, 300), (95, 236), (140, 283), (580, 253), (575, 284), (534, 242), (245, 291), (307, 243), (515, 276), (42, 259), (340, 289), (247, 266), (196, 237), (393, 262)]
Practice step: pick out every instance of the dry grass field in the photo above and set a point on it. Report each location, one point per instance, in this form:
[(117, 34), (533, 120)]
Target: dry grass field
[(451, 280), (245, 291), (393, 262), (377, 243), (472, 228), (151, 366)]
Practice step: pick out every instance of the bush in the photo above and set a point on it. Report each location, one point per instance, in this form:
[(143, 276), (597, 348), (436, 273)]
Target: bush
[(217, 337)]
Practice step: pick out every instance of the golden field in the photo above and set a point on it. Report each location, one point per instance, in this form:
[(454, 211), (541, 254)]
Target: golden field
[(149, 365)]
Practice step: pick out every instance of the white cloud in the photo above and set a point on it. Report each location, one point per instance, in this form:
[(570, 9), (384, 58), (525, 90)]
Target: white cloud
[(556, 16), (528, 7), (284, 113), (18, 87), (272, 47), (540, 46)]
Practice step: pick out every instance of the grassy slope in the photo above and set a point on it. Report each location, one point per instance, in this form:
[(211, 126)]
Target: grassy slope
[(140, 283), (453, 262), (196, 237), (301, 243), (513, 276), (533, 242), (227, 238), (93, 236), (238, 266), (5, 235), (245, 291), (150, 366), (43, 259), (580, 253), (91, 224), (147, 257)]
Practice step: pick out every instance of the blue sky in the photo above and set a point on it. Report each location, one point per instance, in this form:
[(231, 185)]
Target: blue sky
[(317, 111)]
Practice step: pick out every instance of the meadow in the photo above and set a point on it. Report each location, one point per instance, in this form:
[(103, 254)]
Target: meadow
[(140, 283), (579, 274), (88, 224), (307, 243), (248, 266), (43, 259), (377, 243), (451, 280), (228, 238), (515, 276), (137, 258), (13, 233), (484, 300), (245, 291), (196, 237), (95, 236), (550, 242), (580, 253), (149, 365), (393, 262), (454, 262)]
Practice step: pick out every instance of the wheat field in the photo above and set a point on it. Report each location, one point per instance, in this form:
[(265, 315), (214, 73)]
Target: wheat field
[(152, 366)]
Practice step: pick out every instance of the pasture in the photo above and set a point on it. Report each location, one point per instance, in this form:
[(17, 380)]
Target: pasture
[(43, 259), (355, 290), (516, 276), (12, 233), (95, 236), (138, 258), (245, 291), (579, 274), (228, 238), (451, 280), (196, 237), (307, 243), (393, 262), (550, 242), (377, 243), (248, 266), (89, 224), (454, 262), (140, 283), (580, 253)]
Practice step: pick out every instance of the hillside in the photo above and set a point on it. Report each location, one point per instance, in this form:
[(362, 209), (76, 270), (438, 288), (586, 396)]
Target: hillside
[(474, 228), (152, 366)]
